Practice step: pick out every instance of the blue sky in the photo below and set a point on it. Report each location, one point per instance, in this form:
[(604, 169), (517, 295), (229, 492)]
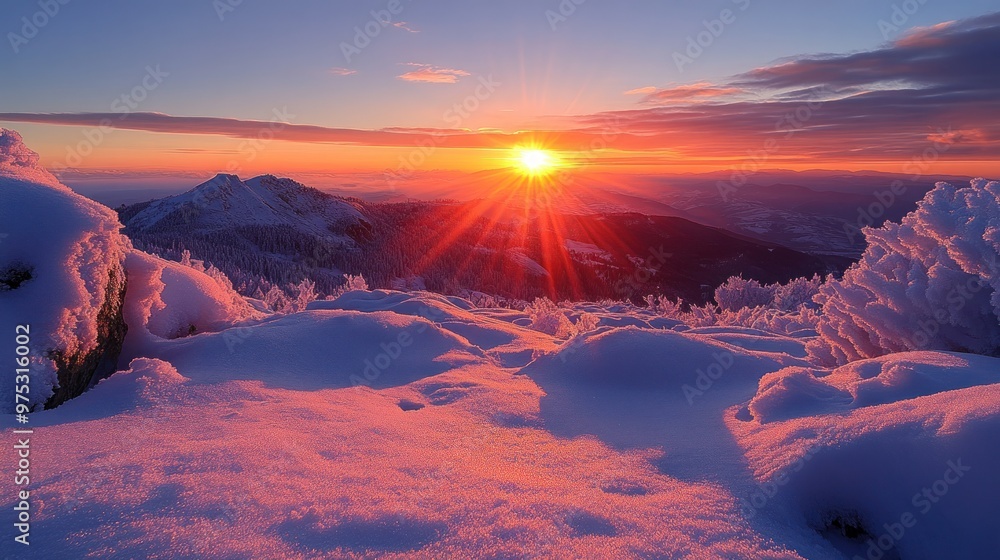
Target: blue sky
[(267, 54), (260, 56)]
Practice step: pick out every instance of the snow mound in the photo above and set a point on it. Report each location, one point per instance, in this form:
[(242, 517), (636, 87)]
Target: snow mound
[(61, 275), (631, 357), (511, 345), (799, 391), (322, 349), (901, 471), (169, 300)]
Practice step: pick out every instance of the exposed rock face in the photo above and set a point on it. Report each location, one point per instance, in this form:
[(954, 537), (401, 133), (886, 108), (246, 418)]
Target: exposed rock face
[(77, 372), (62, 280)]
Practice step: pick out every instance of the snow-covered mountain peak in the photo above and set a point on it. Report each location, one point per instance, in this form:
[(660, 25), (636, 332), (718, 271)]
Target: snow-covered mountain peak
[(227, 201)]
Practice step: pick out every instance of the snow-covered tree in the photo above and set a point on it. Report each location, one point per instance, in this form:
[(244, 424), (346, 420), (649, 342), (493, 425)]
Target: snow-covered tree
[(931, 282), (276, 300), (305, 293), (353, 282)]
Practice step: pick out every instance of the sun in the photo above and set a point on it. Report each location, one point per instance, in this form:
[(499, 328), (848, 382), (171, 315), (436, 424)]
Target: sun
[(533, 161)]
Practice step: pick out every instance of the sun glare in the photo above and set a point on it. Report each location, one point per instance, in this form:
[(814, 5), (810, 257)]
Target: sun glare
[(535, 162)]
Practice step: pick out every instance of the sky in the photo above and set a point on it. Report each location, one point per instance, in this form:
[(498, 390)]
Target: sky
[(395, 87)]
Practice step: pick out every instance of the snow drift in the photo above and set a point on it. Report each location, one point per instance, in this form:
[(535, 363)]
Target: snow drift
[(169, 300)]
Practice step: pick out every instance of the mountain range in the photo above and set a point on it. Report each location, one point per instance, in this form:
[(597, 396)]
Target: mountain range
[(268, 231)]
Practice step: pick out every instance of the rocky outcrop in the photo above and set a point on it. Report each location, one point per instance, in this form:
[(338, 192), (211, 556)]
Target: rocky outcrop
[(62, 280), (76, 372)]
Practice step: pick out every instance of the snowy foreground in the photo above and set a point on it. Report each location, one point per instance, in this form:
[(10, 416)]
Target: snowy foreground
[(387, 424), (390, 424)]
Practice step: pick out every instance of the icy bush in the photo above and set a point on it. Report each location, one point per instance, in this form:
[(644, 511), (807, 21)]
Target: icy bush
[(586, 323), (351, 283), (738, 293), (931, 282), (552, 319), (796, 293), (170, 300), (765, 318), (355, 283), (276, 300), (548, 318), (665, 306)]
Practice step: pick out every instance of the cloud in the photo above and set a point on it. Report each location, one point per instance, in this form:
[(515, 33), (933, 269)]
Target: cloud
[(432, 74), (932, 88), (934, 85), (405, 25), (688, 93), (244, 128), (953, 55), (337, 71), (641, 91)]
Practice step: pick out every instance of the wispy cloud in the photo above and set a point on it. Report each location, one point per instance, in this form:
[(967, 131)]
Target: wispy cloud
[(338, 71), (432, 74), (688, 93), (405, 25), (641, 91)]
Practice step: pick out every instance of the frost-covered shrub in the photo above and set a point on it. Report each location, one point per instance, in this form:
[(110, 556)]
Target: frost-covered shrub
[(931, 282), (770, 319), (276, 300), (738, 293), (664, 306), (305, 293), (585, 323), (796, 293), (169, 300), (548, 318), (352, 282)]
